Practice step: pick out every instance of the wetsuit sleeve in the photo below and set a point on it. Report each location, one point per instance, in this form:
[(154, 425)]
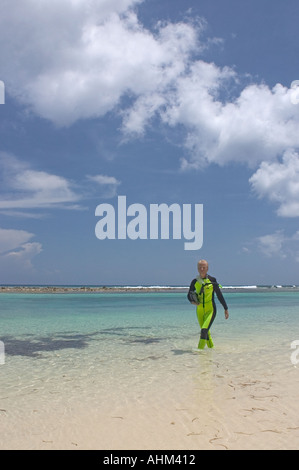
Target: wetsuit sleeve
[(220, 295), (191, 289)]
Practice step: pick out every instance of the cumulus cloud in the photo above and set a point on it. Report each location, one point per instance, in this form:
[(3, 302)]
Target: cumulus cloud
[(258, 125), (11, 239), (16, 250), (75, 59), (23, 256), (279, 245), (271, 244), (279, 182), (78, 59)]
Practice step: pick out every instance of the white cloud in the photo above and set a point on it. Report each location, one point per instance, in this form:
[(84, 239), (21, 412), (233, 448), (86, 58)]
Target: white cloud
[(28, 188), (259, 125), (23, 214), (107, 184), (276, 244), (76, 59), (279, 182), (272, 244), (71, 60), (16, 251), (22, 258), (24, 188), (11, 239), (103, 179)]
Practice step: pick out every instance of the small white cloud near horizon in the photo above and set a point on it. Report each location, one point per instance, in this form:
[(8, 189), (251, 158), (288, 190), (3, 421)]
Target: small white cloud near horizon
[(17, 251), (275, 245), (272, 244), (11, 239)]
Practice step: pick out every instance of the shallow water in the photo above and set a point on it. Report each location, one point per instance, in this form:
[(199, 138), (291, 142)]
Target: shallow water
[(105, 351)]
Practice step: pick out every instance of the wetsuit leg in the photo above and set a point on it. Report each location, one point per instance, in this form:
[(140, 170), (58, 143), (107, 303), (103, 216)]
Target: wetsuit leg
[(205, 320), (210, 343)]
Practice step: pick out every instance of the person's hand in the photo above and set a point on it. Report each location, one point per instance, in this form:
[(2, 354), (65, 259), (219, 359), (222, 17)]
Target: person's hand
[(226, 314)]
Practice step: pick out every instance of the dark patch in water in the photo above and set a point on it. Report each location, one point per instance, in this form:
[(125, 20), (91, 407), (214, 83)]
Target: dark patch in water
[(35, 347), (142, 339), (151, 358), (179, 352), (121, 330)]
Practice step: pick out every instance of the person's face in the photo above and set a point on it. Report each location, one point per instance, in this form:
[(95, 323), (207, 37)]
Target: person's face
[(202, 268)]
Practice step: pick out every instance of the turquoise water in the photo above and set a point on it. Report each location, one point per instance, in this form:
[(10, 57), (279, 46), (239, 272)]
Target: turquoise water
[(38, 325), (66, 354), (113, 332)]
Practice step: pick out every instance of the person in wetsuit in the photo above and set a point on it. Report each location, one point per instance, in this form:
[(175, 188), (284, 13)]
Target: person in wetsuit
[(201, 293)]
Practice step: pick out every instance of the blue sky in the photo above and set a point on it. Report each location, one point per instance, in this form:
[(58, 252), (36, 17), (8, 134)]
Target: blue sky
[(169, 101)]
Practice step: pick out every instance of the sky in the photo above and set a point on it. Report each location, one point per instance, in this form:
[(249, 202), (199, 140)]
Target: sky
[(186, 102)]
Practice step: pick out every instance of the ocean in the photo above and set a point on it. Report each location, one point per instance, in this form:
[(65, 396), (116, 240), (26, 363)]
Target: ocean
[(68, 353)]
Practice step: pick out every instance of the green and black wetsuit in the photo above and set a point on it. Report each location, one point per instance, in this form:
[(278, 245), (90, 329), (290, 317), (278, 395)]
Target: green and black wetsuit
[(206, 310)]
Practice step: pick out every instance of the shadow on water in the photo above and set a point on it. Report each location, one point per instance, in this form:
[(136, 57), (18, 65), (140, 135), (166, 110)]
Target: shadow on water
[(127, 338), (142, 339), (180, 352), (35, 347), (121, 330)]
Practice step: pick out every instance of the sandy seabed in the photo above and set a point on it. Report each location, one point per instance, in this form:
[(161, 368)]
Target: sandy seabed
[(239, 410)]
